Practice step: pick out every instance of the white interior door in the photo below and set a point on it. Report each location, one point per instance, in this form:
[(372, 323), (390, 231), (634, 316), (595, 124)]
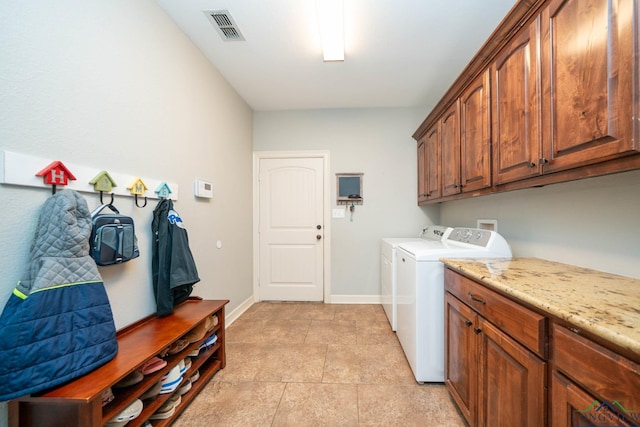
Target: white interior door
[(291, 229)]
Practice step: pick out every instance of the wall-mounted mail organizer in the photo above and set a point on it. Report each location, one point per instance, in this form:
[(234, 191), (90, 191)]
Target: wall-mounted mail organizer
[(32, 171)]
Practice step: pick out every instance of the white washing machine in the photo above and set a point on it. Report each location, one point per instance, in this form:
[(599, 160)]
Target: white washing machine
[(388, 265), (420, 298)]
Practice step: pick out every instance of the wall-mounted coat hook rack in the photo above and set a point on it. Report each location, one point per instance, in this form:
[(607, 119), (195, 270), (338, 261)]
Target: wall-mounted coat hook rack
[(17, 169)]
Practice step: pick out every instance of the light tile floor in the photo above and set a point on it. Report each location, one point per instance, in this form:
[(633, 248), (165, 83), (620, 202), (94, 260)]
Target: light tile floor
[(314, 364)]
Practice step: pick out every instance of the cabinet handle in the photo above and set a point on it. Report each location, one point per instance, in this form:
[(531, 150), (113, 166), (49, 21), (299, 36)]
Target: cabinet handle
[(468, 322), (544, 161), (476, 299), (477, 330), (532, 165)]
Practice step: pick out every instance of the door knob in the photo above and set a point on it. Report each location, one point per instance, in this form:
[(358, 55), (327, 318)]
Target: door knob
[(318, 236)]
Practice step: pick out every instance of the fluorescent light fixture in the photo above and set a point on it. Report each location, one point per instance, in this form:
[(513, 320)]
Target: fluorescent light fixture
[(331, 24)]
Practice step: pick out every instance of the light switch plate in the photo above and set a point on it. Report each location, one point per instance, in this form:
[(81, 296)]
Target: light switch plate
[(338, 213)]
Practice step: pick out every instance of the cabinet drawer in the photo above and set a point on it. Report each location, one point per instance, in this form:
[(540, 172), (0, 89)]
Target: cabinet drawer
[(604, 373), (522, 324)]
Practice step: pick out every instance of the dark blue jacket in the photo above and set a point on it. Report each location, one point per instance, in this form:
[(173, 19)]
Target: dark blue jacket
[(57, 325), (173, 268)]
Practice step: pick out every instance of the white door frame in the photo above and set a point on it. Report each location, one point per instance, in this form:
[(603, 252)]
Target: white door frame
[(257, 155)]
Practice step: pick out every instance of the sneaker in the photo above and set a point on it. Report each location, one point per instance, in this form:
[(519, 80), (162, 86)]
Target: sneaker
[(176, 398), (107, 396), (171, 381), (165, 411), (152, 365), (208, 342), (133, 378), (178, 346), (152, 392), (196, 375), (197, 333), (185, 387), (130, 412)]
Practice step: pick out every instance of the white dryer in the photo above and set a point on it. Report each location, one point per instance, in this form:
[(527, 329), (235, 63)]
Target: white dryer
[(388, 268), (420, 293)]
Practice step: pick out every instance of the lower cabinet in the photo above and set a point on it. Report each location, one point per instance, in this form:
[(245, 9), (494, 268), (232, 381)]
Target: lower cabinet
[(509, 365), (592, 385), (195, 331), (491, 375)]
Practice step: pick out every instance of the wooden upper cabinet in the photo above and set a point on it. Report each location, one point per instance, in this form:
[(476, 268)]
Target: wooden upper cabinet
[(432, 163), (516, 109), (587, 82), (429, 177), (450, 143), (422, 172), (552, 96), (475, 137)]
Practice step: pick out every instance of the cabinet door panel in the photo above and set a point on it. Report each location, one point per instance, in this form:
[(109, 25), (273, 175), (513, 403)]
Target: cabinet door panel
[(475, 143), (587, 54), (450, 137), (422, 172), (516, 109), (570, 406), (460, 359), (432, 163), (512, 381)]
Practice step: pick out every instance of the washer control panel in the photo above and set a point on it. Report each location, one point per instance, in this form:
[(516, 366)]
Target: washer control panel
[(472, 236), (435, 232)]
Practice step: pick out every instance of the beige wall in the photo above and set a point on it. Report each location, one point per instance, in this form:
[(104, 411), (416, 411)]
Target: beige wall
[(115, 85), (378, 143), (591, 223)]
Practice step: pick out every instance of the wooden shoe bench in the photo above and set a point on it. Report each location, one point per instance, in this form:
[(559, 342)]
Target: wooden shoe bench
[(79, 402)]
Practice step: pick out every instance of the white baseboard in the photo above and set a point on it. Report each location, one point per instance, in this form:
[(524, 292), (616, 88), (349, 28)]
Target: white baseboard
[(232, 316), (355, 299)]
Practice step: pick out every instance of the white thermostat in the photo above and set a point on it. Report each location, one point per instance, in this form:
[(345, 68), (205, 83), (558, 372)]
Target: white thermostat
[(203, 189)]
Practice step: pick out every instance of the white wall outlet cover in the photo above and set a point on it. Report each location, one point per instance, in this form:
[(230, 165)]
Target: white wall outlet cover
[(203, 189), (487, 224), (219, 244)]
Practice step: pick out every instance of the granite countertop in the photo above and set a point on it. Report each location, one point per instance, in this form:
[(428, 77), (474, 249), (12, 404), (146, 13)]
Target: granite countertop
[(604, 304)]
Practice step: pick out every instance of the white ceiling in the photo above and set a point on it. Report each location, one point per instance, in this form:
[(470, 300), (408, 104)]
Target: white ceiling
[(398, 53)]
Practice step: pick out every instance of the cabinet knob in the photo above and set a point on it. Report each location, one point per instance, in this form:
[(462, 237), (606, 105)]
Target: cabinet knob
[(318, 236), (544, 161), (532, 165), (477, 330), (468, 322)]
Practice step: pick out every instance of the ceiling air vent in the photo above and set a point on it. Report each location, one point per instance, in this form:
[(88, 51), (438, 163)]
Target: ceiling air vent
[(225, 25)]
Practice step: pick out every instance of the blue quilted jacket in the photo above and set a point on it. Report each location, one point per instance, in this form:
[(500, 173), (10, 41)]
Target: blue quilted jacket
[(57, 324)]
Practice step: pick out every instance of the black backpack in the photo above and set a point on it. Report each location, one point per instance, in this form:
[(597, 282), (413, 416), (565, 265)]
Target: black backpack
[(113, 238)]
